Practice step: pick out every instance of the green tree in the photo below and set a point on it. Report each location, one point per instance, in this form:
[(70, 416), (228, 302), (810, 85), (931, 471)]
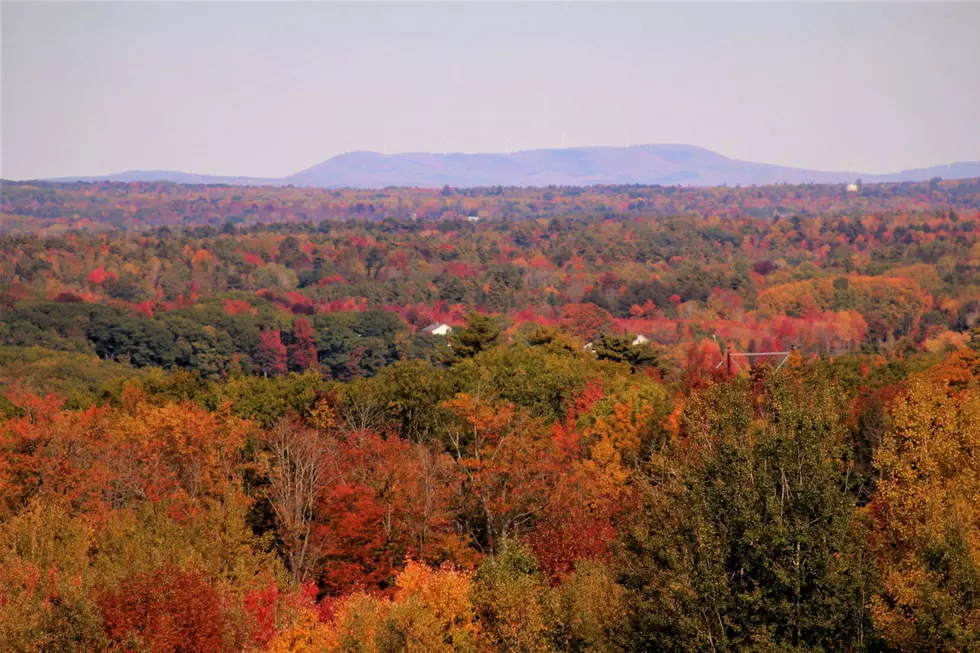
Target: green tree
[(751, 543), (621, 349), (481, 333)]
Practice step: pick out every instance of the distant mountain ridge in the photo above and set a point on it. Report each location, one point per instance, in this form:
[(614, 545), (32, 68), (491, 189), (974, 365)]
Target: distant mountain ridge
[(667, 165)]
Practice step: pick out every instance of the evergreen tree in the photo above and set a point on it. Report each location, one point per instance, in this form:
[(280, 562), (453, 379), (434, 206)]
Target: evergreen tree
[(622, 350), (481, 333)]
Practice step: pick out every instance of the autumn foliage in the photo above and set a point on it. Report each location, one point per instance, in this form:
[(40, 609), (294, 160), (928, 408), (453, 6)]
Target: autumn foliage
[(164, 611), (410, 432)]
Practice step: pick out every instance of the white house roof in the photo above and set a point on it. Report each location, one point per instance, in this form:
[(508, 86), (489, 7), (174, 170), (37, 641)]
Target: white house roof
[(438, 329)]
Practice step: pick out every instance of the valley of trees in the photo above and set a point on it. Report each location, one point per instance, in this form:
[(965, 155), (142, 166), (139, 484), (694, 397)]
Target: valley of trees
[(225, 427)]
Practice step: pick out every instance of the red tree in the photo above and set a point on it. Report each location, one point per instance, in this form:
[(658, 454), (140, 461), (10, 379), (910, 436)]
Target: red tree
[(302, 352), (165, 611), (97, 276), (585, 320), (271, 355)]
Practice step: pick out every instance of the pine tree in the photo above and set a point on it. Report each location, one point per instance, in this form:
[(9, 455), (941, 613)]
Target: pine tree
[(481, 333)]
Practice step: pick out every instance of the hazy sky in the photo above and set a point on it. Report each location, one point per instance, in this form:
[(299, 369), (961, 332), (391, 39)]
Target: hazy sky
[(267, 89)]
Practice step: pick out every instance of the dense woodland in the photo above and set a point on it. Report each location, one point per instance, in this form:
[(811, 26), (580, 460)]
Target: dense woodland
[(224, 426), (53, 207)]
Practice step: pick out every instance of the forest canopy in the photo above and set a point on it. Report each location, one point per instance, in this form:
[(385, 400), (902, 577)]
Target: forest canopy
[(595, 419)]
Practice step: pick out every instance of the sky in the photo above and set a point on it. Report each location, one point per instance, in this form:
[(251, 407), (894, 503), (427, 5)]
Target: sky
[(267, 89)]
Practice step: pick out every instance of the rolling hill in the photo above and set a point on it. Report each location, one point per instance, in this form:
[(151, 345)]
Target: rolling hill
[(667, 165)]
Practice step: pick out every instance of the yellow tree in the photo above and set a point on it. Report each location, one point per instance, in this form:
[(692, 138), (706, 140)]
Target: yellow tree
[(615, 446), (927, 512), (433, 611)]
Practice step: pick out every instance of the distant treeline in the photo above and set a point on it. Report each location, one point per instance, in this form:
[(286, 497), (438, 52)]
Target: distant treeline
[(54, 206)]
